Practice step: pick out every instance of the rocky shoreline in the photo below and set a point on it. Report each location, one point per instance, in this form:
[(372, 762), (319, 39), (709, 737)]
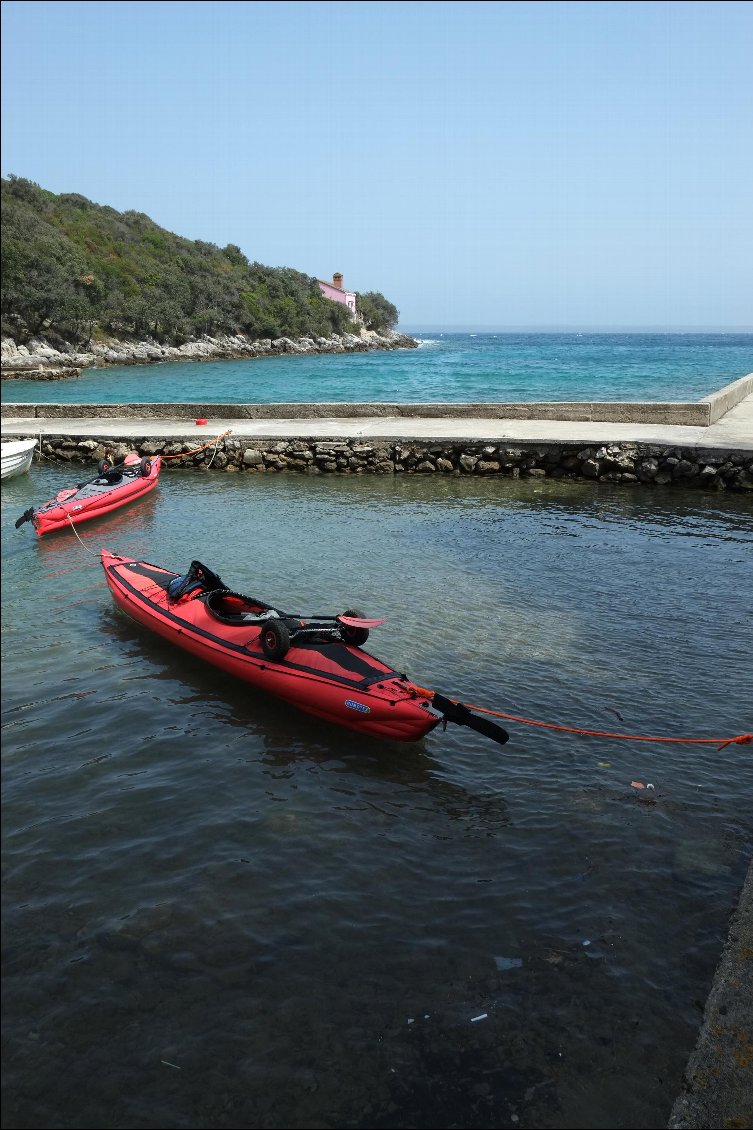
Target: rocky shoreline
[(41, 360)]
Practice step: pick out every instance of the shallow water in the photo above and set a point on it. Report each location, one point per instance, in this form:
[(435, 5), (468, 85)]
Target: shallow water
[(446, 368), (220, 912)]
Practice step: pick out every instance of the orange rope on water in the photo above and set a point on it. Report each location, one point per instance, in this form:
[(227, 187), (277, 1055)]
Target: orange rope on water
[(739, 739), (196, 450)]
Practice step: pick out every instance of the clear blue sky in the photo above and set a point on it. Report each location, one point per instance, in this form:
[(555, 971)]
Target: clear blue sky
[(480, 164)]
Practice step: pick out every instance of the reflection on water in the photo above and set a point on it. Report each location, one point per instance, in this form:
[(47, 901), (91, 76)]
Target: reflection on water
[(416, 775), (220, 912)]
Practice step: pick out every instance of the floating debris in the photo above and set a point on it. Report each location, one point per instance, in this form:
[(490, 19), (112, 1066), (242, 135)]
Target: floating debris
[(504, 963)]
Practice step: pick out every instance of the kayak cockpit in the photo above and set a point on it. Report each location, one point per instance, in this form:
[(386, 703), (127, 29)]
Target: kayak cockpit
[(233, 608)]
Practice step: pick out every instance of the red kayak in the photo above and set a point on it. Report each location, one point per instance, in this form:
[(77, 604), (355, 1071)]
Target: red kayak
[(114, 485), (316, 663)]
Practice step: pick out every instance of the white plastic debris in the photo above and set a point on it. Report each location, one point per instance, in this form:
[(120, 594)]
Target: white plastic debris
[(504, 963)]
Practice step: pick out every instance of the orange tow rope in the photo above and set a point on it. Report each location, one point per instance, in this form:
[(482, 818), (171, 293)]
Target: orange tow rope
[(739, 739), (196, 450)]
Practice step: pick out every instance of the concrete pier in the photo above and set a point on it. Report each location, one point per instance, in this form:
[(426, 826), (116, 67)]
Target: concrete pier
[(718, 1081), (461, 440), (720, 422)]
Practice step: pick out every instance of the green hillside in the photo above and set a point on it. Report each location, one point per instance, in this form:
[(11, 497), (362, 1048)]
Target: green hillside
[(75, 270)]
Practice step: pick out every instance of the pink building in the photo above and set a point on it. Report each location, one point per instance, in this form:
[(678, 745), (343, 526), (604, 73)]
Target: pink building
[(334, 291)]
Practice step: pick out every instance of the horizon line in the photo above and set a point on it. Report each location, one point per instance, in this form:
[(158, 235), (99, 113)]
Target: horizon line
[(471, 328)]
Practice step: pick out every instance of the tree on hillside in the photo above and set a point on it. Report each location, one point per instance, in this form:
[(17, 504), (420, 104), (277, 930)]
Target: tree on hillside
[(72, 268), (376, 311), (46, 282)]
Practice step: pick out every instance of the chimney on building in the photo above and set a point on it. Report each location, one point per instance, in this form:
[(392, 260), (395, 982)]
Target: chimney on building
[(337, 280)]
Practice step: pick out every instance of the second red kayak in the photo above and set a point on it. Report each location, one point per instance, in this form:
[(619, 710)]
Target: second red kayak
[(114, 485)]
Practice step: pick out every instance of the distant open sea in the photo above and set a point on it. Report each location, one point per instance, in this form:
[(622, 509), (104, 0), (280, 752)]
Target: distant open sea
[(446, 368)]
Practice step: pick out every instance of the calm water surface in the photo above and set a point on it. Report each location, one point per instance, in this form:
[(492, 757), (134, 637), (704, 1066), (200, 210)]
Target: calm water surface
[(446, 368), (221, 913)]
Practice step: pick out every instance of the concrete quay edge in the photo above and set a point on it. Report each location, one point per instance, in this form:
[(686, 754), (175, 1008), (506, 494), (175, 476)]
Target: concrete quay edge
[(695, 414), (700, 413), (718, 1079), (732, 432), (721, 401), (724, 420)]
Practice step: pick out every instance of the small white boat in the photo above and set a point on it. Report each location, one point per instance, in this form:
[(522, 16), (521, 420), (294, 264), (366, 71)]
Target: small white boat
[(16, 456)]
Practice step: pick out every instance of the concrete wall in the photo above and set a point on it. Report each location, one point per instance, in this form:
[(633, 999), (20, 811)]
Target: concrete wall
[(717, 1084), (690, 413), (727, 397)]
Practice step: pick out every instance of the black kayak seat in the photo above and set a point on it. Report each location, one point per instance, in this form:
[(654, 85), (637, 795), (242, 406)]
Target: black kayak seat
[(198, 579)]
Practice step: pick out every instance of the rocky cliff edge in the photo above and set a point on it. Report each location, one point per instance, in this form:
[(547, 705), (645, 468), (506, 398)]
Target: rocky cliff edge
[(41, 360)]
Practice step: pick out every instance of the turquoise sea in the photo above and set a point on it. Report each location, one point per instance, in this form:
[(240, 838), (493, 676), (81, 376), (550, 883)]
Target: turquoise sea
[(451, 367)]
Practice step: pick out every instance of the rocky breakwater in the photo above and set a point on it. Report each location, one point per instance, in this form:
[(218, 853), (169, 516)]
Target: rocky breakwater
[(629, 464), (42, 360)]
